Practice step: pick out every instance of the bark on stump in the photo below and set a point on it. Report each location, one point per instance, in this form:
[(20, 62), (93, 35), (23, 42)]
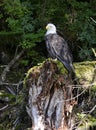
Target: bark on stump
[(50, 100)]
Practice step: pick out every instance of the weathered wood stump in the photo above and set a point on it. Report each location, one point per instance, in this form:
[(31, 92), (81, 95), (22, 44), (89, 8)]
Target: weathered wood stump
[(50, 100)]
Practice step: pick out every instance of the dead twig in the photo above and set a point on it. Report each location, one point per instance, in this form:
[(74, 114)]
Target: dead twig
[(92, 19), (11, 63), (86, 116), (11, 84), (3, 108)]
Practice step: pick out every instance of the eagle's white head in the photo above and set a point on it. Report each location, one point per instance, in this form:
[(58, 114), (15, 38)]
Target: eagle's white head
[(51, 29)]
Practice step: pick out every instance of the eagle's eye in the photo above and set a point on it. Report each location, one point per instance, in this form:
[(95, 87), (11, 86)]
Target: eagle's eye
[(51, 26)]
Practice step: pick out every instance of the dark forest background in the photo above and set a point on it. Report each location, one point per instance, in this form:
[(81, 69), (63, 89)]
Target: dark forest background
[(22, 25), (22, 29)]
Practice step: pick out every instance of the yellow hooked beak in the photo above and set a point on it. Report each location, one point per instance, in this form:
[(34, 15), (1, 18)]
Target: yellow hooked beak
[(47, 27)]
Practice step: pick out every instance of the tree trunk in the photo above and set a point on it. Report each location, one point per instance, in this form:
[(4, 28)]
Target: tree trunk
[(50, 100)]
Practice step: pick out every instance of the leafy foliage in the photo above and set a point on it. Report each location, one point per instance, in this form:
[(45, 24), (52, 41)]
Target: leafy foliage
[(73, 20), (71, 17), (19, 20)]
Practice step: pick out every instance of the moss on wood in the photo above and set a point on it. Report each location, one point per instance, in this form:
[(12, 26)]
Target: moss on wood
[(86, 74)]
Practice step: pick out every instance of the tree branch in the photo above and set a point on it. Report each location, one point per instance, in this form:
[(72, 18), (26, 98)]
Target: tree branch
[(3, 108), (92, 19), (11, 63)]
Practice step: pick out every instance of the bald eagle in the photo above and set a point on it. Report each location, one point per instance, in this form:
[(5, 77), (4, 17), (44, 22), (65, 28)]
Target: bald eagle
[(58, 47)]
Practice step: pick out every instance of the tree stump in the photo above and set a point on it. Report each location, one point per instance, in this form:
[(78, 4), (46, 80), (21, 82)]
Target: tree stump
[(50, 100)]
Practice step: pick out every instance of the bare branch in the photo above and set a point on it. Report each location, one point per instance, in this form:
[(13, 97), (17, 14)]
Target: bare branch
[(94, 51), (77, 124), (3, 66), (11, 63), (92, 19), (11, 84), (16, 50), (1, 109), (92, 109)]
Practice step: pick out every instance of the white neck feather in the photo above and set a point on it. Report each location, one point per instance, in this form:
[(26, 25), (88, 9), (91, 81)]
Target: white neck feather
[(50, 32)]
